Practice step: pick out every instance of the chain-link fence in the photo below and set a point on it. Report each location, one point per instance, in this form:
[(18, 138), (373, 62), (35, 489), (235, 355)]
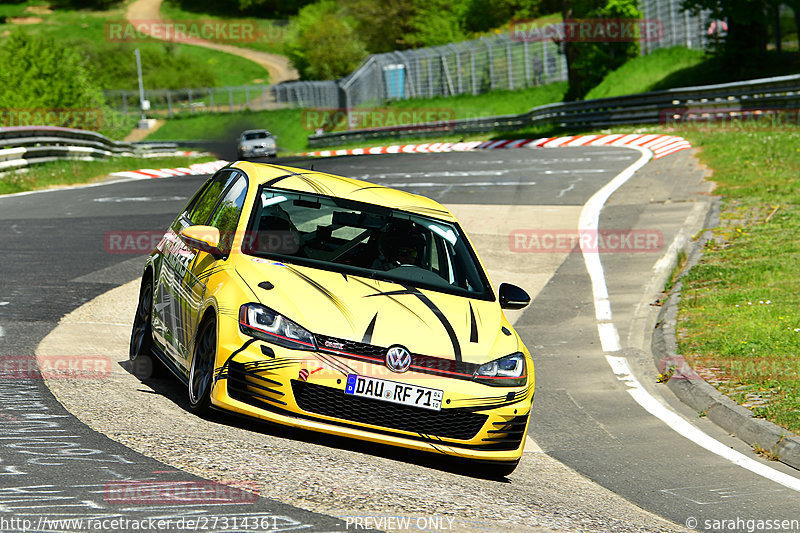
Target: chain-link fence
[(168, 103), (505, 61), (679, 27), (471, 67)]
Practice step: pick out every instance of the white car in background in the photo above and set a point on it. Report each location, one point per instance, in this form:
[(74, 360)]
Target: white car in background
[(257, 143)]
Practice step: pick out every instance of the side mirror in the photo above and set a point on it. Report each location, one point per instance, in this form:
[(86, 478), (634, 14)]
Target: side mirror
[(202, 238), (513, 297)]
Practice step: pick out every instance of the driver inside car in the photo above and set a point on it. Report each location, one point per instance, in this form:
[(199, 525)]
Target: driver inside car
[(400, 244)]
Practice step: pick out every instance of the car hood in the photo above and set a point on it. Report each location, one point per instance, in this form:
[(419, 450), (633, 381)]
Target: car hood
[(381, 313)]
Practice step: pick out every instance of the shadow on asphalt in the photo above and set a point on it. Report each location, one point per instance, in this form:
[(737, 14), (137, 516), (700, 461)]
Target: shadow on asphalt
[(163, 383)]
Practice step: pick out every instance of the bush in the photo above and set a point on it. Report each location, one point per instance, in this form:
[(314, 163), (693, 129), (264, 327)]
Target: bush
[(590, 62), (113, 66), (322, 42), (37, 73)]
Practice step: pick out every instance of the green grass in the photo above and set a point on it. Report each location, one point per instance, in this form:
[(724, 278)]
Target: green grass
[(740, 312), (285, 123), (487, 104), (293, 130), (645, 73), (73, 172), (165, 65), (668, 68)]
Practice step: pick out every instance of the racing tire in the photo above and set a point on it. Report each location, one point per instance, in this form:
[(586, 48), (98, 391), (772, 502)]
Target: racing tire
[(144, 363), (201, 373)]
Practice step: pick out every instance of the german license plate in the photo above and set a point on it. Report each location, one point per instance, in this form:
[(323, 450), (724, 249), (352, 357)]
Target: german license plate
[(394, 392)]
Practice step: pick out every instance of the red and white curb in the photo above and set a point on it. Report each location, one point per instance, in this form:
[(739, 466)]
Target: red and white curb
[(660, 145), (197, 168)]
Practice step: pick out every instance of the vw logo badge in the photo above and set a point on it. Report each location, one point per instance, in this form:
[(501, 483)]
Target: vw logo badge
[(398, 359)]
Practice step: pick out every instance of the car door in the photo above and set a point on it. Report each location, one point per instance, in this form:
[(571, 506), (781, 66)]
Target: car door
[(171, 316), (225, 218)]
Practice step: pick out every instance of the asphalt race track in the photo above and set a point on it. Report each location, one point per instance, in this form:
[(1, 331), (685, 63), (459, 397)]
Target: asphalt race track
[(597, 460)]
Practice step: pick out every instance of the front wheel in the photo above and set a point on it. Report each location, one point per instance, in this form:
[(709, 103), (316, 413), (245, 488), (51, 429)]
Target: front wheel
[(201, 374)]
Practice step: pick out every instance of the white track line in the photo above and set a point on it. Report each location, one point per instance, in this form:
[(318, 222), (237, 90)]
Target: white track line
[(679, 424), (609, 338)]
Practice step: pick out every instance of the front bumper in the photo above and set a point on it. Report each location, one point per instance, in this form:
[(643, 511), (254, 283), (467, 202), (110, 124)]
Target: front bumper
[(306, 390), (258, 151)]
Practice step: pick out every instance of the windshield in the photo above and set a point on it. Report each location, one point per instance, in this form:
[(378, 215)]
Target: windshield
[(366, 240), (255, 135)]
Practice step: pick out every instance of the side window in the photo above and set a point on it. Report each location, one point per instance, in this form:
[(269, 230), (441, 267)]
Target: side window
[(201, 211), (226, 218)]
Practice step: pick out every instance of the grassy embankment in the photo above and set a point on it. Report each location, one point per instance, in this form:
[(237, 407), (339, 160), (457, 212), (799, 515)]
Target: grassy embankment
[(111, 62), (739, 322), (115, 66)]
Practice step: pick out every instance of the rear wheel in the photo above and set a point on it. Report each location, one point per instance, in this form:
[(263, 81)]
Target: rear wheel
[(201, 373), (143, 362)]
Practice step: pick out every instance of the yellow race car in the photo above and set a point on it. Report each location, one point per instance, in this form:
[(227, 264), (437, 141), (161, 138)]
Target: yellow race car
[(335, 305)]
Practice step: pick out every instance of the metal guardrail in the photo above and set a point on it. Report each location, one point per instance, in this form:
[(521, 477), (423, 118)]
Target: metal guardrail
[(670, 106), (25, 145)]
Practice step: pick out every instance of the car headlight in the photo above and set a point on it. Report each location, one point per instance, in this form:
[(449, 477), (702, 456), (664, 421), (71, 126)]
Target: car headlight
[(267, 325), (508, 371)]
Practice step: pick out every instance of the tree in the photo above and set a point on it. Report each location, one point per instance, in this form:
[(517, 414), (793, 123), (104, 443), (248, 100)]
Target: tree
[(37, 73), (589, 62), (401, 24), (746, 41), (436, 22), (322, 43), (483, 16), (382, 25)]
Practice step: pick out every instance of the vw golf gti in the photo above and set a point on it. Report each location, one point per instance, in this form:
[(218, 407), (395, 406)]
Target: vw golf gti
[(335, 305)]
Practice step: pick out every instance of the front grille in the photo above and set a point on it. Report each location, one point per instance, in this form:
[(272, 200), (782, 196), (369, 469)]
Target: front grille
[(422, 363), (353, 347), (251, 388), (447, 423)]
